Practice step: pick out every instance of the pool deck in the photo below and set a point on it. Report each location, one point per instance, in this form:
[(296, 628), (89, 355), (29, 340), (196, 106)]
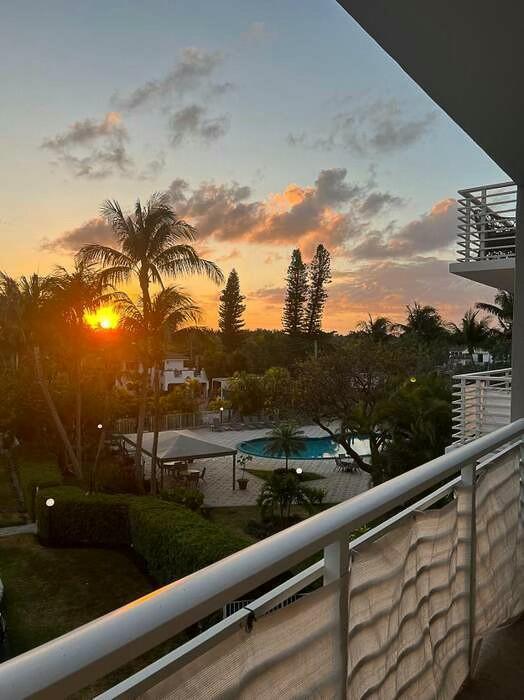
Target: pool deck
[(217, 487)]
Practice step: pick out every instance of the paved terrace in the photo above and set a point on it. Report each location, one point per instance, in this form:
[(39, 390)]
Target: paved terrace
[(217, 487)]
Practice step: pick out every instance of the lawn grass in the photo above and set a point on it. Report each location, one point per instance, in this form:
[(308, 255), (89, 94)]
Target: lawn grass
[(266, 473), (10, 513), (235, 518), (51, 591), (36, 469)]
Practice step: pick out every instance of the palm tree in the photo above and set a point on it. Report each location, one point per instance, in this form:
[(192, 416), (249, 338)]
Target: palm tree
[(168, 310), (425, 322), (25, 307), (379, 329), (285, 439), (151, 243), (502, 310), (472, 332), (74, 294)]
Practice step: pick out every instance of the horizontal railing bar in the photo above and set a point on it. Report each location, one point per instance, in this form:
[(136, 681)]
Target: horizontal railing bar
[(465, 192), (168, 664), (70, 662), (171, 662), (482, 373)]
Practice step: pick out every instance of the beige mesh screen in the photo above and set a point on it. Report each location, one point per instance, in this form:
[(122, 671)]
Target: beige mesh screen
[(408, 609), (289, 653), (500, 577)]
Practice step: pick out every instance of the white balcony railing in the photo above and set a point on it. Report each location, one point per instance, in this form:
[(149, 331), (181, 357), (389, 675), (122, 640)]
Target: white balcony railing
[(486, 222), (481, 403), (399, 612)]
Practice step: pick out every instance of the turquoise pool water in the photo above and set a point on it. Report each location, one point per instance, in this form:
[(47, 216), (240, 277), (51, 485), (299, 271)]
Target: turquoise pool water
[(314, 448)]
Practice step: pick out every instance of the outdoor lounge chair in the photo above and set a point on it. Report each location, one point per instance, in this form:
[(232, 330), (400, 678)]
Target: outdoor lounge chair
[(217, 426), (343, 464)]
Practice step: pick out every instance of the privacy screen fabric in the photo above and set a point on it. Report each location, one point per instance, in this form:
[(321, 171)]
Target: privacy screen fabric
[(408, 609), (289, 653), (408, 591), (500, 571)]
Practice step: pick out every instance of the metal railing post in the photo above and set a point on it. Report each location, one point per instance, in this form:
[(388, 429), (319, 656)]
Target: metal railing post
[(463, 408), (468, 481), (483, 212), (467, 239), (336, 568)]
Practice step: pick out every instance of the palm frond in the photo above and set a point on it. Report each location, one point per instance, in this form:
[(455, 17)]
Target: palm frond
[(182, 259)]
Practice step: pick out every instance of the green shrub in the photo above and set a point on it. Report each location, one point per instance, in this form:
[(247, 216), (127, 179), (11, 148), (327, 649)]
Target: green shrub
[(35, 473), (79, 518), (171, 540), (190, 498), (175, 542)]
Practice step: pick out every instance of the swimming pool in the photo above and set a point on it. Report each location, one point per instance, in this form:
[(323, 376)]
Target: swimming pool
[(314, 448)]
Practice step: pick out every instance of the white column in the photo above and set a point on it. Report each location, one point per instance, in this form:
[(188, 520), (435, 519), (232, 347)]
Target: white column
[(517, 346)]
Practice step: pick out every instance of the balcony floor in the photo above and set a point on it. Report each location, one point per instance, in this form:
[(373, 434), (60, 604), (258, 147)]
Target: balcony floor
[(500, 671)]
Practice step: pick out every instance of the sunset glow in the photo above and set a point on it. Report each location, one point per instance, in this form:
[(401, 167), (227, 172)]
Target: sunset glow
[(104, 317)]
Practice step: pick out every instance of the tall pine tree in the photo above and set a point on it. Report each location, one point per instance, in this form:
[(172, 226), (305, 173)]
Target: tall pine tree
[(293, 315), (230, 311), (319, 277)]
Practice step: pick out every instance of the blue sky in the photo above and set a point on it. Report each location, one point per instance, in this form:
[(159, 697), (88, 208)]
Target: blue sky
[(265, 95)]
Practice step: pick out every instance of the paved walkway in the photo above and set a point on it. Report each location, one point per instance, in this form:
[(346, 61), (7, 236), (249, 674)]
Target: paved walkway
[(217, 488), (27, 529)]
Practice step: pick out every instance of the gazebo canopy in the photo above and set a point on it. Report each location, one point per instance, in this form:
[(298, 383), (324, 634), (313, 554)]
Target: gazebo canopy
[(185, 447)]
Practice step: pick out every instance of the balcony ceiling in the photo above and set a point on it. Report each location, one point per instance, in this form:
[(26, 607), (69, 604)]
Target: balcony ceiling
[(467, 56)]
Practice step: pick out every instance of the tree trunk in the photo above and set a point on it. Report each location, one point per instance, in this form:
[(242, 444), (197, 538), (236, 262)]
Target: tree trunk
[(78, 414), (142, 401), (54, 413), (156, 428)]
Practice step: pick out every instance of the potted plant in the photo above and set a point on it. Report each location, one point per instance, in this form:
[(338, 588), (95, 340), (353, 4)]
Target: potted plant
[(242, 482)]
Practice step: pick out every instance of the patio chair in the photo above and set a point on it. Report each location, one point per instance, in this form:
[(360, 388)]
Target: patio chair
[(192, 480), (345, 465)]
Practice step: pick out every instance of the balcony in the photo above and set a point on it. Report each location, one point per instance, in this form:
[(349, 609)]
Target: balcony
[(481, 404), (400, 611), (486, 238)]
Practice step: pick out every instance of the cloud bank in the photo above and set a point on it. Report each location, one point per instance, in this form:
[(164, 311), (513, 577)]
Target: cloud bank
[(378, 127), (91, 148)]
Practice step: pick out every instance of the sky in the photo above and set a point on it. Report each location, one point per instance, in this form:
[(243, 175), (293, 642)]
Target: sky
[(272, 125)]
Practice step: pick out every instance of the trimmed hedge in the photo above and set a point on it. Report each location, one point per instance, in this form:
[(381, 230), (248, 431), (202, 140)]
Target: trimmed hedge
[(171, 540), (78, 518)]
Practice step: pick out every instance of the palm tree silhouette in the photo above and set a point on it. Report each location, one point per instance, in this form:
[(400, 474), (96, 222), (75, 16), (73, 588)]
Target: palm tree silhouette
[(168, 310), (285, 439), (152, 243)]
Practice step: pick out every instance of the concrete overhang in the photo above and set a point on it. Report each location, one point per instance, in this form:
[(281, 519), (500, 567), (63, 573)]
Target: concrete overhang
[(467, 56), (499, 274)]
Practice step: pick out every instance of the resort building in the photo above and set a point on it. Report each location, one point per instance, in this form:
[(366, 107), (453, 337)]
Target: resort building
[(176, 371), (459, 357), (411, 607)]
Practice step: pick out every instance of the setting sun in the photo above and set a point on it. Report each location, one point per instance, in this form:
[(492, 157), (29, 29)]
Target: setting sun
[(104, 317)]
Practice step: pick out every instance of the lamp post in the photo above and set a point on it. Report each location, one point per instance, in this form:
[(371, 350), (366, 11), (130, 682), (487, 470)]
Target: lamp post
[(221, 415)]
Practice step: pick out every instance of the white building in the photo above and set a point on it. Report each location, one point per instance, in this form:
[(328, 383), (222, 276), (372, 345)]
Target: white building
[(462, 358), (177, 369)]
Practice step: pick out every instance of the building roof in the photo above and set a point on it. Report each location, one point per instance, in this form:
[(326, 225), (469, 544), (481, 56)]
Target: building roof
[(467, 56)]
